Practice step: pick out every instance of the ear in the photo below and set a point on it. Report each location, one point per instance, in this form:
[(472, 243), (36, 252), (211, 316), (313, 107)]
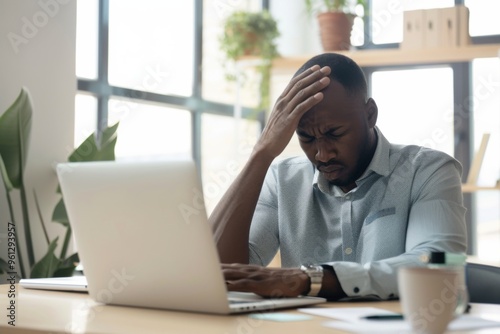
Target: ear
[(371, 112)]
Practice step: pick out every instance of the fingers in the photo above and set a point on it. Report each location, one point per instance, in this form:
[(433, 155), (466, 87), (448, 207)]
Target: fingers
[(300, 95), (307, 92), (267, 282), (303, 92), (240, 271), (305, 78), (308, 83)]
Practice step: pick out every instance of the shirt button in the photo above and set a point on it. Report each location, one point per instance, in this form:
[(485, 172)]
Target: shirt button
[(348, 250), (348, 197), (356, 290)]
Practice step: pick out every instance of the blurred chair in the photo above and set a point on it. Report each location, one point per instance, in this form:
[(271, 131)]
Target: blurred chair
[(483, 283)]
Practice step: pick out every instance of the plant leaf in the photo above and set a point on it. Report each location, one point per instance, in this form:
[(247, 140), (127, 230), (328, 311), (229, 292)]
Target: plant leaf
[(60, 215), (4, 266), (67, 267), (15, 128), (48, 264), (109, 135), (88, 150), (40, 216), (5, 177)]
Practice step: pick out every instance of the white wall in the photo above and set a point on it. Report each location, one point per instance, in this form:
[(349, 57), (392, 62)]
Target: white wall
[(37, 50)]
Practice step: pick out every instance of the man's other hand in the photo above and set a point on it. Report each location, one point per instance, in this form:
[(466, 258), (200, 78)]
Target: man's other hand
[(264, 281)]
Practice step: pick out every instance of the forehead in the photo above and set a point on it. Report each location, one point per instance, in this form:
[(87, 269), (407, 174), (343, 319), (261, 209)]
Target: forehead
[(337, 107)]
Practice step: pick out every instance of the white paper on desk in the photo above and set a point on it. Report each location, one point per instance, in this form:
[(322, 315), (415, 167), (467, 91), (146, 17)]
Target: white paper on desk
[(353, 320), (465, 322), (355, 314)]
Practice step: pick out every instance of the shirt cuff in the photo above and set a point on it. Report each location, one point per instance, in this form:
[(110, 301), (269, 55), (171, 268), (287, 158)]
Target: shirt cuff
[(356, 280), (353, 278)]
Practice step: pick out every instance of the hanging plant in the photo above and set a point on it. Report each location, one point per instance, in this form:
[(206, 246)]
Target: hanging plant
[(252, 34)]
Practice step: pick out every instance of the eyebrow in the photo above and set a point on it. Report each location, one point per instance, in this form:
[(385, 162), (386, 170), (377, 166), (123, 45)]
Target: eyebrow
[(303, 133), (331, 129)]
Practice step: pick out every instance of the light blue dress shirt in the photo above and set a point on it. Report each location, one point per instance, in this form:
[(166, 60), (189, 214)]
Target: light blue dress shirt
[(408, 202)]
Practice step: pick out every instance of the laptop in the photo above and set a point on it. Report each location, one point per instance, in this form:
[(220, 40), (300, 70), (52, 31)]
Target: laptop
[(143, 238)]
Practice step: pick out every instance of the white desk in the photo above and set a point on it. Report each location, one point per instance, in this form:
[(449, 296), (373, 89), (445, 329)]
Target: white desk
[(67, 312)]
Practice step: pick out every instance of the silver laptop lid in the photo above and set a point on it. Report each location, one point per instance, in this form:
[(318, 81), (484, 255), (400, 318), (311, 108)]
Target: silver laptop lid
[(142, 234)]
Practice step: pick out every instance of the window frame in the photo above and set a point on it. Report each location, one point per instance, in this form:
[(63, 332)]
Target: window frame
[(101, 89), (197, 105)]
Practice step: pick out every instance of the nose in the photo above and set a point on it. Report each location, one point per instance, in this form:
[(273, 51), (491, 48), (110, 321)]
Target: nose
[(325, 150)]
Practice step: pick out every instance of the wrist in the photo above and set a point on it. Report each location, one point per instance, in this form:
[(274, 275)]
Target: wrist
[(261, 153), (315, 281)]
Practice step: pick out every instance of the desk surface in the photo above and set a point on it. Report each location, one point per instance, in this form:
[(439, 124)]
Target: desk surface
[(69, 312)]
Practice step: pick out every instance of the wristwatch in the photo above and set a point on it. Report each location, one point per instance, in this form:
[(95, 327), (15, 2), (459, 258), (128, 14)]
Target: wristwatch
[(315, 274)]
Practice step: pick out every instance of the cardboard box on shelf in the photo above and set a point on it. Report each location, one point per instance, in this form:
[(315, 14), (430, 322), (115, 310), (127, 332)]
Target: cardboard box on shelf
[(413, 37), (436, 28), (432, 27)]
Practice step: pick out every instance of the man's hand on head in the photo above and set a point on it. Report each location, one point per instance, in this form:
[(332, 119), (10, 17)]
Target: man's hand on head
[(264, 281), (301, 94)]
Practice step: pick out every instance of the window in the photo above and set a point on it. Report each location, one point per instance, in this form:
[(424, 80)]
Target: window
[(486, 103), (85, 117), (151, 45), (226, 145), (483, 17), (144, 70), (415, 110), (149, 130), (86, 41)]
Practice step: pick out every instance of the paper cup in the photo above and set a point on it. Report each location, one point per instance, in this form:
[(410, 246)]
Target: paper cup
[(431, 297)]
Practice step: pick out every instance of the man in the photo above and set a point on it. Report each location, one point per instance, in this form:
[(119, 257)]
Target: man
[(350, 214)]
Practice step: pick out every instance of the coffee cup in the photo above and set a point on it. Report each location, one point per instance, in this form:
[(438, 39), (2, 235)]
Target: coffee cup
[(432, 296)]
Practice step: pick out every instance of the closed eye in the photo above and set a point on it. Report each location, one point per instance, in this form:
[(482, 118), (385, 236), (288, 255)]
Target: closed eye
[(333, 134), (304, 137)]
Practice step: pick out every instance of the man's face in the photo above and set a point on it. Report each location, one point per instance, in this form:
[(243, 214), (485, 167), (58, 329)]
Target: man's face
[(338, 136)]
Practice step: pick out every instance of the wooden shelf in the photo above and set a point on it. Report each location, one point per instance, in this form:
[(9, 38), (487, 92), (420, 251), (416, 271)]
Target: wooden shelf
[(387, 57), (470, 188)]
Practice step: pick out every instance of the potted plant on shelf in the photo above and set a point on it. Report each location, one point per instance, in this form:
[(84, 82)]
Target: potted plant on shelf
[(252, 34), (335, 18)]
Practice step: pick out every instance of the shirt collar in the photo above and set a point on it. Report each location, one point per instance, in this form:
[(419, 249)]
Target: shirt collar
[(379, 164)]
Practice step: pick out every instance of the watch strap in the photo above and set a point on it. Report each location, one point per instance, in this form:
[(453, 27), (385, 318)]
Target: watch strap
[(315, 273)]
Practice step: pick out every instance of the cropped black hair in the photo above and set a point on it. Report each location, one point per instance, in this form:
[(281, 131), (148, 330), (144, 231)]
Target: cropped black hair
[(344, 70)]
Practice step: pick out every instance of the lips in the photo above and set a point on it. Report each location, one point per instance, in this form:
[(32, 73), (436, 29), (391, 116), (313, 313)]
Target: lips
[(329, 168)]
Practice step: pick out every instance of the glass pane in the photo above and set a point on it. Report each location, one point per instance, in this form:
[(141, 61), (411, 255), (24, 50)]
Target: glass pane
[(85, 117), (86, 39), (148, 130), (486, 104), (151, 45), (226, 145), (358, 32), (414, 109), (483, 18), (387, 17)]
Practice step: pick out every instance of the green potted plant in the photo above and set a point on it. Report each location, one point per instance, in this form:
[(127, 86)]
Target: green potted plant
[(15, 134), (252, 34), (335, 18)]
